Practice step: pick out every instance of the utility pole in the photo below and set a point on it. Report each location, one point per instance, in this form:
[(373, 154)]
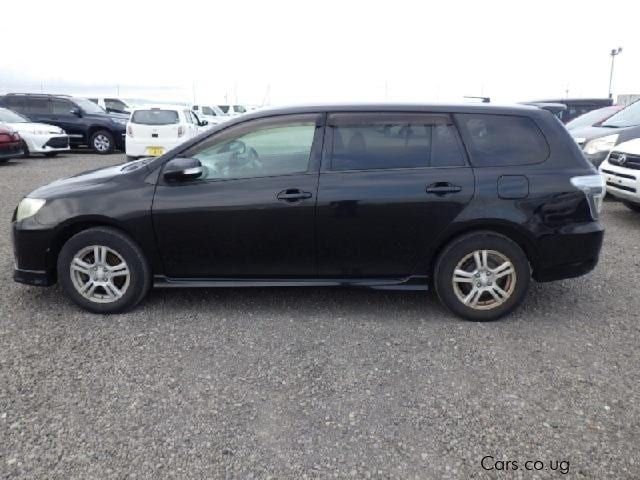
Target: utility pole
[(614, 52)]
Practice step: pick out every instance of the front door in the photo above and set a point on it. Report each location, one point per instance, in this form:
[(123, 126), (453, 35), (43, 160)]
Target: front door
[(390, 183), (252, 213)]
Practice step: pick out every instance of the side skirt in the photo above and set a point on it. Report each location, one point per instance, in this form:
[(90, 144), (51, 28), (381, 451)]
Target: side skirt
[(406, 283)]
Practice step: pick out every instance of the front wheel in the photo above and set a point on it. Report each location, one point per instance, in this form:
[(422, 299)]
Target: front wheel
[(632, 206), (103, 270), (482, 276), (102, 142)]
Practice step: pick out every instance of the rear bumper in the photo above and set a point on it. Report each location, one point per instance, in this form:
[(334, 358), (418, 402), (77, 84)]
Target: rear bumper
[(138, 148), (570, 253)]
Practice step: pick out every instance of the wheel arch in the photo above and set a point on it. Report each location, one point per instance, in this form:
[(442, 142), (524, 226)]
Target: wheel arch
[(510, 230), (69, 229)]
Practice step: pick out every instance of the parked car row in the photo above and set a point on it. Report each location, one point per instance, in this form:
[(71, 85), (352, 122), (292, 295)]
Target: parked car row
[(50, 124)]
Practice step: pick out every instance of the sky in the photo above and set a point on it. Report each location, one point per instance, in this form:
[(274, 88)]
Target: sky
[(287, 52)]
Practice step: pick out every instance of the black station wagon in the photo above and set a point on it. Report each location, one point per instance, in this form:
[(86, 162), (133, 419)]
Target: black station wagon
[(472, 200)]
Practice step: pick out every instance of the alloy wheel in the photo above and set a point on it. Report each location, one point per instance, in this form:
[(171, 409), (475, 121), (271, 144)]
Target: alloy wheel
[(100, 274), (101, 143), (484, 279)]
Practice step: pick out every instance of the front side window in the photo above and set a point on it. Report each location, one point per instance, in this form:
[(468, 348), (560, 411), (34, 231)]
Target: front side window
[(61, 107), (371, 142), (281, 149), (155, 116), (224, 108), (503, 140), (115, 104), (208, 111)]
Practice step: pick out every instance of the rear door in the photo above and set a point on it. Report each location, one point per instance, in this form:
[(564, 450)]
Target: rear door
[(390, 183)]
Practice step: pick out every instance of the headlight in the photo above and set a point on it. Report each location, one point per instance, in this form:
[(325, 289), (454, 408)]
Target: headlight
[(41, 132), (594, 188), (120, 121), (28, 207), (601, 144)]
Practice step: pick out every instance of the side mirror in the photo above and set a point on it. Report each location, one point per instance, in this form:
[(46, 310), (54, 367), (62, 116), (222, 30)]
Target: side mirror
[(204, 123), (76, 111), (183, 169)]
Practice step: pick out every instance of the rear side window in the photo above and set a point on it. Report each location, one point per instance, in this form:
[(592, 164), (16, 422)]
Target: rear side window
[(155, 116), (36, 106), (381, 141), (503, 140)]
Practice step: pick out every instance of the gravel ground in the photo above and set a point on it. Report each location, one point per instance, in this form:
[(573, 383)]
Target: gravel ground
[(317, 383)]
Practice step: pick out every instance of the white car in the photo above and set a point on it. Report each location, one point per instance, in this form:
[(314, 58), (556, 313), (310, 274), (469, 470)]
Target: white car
[(115, 104), (232, 110), (621, 172), (38, 137), (154, 130), (210, 113)]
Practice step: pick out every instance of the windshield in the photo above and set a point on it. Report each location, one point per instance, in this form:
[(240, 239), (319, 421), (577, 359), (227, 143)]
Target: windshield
[(627, 117), (592, 117), (7, 116), (87, 105)]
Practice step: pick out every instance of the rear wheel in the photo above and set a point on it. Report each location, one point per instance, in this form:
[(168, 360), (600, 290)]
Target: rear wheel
[(632, 206), (482, 276), (25, 150), (103, 270), (102, 142)]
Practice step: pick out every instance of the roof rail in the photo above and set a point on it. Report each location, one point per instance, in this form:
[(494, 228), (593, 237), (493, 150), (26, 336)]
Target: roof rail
[(39, 94)]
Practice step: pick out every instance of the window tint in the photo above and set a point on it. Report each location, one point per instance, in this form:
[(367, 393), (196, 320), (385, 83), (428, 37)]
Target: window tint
[(501, 140), (14, 103), (268, 151), (392, 142), (155, 116), (224, 108), (208, 111), (36, 105), (115, 104), (60, 107)]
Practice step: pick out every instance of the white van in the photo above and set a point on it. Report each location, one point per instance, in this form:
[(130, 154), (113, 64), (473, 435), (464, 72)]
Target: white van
[(153, 130), (210, 113)]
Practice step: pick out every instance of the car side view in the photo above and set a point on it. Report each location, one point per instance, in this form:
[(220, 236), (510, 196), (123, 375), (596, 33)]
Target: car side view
[(473, 200)]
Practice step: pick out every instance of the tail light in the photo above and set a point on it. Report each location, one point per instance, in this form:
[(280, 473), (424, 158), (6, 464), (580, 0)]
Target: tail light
[(180, 131), (130, 131), (594, 188)]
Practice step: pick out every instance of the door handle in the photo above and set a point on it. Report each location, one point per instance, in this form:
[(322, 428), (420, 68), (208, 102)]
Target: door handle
[(293, 195), (443, 188)]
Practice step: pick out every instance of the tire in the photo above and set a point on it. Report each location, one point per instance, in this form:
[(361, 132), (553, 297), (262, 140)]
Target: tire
[(102, 142), (512, 281), (25, 150), (100, 298), (50, 154), (632, 206)]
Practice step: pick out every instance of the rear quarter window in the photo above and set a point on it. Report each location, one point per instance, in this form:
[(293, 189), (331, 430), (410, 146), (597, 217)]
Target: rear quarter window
[(502, 140), (155, 117)]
